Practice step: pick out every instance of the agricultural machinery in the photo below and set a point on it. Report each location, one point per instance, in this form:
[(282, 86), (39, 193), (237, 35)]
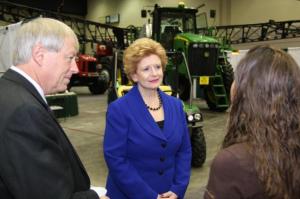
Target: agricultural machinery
[(211, 73)]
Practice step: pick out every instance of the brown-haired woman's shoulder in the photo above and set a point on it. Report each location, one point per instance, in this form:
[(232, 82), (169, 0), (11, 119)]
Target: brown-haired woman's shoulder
[(233, 175)]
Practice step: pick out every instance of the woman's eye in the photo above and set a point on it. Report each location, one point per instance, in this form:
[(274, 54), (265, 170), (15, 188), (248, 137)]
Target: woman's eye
[(146, 69), (158, 66)]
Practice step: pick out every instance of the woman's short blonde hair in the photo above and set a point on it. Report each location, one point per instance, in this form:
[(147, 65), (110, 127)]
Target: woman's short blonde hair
[(139, 49)]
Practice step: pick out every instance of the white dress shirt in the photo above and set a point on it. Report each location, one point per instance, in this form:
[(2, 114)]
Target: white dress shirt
[(34, 83)]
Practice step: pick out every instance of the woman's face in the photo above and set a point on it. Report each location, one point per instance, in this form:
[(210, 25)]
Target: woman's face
[(149, 72)]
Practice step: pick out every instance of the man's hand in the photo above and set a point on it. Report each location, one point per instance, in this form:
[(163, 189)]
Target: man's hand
[(168, 194)]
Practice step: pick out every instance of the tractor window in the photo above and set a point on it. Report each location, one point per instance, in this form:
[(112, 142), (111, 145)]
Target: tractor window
[(173, 23), (189, 25), (183, 21), (201, 20)]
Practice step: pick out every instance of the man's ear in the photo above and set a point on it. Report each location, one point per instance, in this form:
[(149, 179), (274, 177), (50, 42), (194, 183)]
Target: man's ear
[(38, 54)]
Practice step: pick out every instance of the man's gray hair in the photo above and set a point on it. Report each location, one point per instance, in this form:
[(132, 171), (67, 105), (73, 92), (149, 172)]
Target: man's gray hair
[(50, 33)]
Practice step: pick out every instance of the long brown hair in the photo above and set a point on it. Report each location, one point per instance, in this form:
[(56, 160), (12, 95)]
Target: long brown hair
[(265, 114)]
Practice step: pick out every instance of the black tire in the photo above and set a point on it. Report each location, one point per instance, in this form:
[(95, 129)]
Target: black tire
[(102, 83), (97, 88), (211, 100), (227, 75), (198, 147)]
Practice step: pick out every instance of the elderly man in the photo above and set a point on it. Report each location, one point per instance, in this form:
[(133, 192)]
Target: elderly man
[(37, 159)]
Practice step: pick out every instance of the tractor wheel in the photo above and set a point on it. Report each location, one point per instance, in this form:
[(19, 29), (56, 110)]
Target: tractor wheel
[(184, 88), (198, 147), (211, 100), (227, 75), (102, 83), (97, 88)]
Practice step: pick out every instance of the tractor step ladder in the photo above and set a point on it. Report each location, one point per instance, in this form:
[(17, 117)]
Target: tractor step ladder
[(219, 91)]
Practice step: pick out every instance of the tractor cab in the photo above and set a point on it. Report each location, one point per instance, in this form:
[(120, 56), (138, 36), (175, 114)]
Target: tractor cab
[(211, 73), (169, 22)]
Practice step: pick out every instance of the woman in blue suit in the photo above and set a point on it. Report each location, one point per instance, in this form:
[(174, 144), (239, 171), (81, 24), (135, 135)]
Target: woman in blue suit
[(146, 141)]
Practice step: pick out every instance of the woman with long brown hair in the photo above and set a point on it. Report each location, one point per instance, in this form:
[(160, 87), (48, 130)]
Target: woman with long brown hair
[(260, 156)]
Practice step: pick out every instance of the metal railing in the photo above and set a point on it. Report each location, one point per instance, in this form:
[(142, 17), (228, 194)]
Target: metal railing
[(246, 33), (86, 31)]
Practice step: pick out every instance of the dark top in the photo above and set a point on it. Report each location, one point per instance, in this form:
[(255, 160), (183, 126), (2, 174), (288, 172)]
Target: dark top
[(160, 124), (232, 175), (37, 159)]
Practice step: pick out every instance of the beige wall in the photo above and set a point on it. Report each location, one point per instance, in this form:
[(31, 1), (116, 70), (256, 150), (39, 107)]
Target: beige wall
[(228, 12), (258, 11), (130, 9)]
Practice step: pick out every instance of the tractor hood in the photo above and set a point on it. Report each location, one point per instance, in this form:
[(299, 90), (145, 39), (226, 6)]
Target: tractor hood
[(195, 38)]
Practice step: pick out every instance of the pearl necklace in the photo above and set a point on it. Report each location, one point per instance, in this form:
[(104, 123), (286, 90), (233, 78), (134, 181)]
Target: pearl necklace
[(159, 106)]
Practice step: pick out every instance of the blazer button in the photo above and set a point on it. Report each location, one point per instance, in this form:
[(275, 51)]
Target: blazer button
[(162, 159), (163, 145), (161, 172)]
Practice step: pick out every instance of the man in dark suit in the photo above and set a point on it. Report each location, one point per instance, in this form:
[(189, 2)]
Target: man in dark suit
[(37, 159)]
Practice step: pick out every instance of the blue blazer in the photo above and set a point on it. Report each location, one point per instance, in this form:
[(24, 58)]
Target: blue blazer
[(142, 159)]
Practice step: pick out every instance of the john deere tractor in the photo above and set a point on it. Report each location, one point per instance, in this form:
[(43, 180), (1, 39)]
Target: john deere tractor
[(212, 75)]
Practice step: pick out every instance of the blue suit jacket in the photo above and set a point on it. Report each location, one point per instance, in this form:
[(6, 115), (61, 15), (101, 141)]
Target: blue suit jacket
[(142, 159)]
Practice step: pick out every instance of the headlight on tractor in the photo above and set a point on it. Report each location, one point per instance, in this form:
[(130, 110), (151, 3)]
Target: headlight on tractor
[(196, 117), (190, 118)]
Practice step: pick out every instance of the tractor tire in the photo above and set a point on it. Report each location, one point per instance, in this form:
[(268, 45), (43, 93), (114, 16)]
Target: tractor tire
[(211, 100), (198, 147), (97, 88), (227, 75), (102, 83)]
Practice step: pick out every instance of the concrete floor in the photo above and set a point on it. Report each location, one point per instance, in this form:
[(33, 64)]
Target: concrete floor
[(86, 134)]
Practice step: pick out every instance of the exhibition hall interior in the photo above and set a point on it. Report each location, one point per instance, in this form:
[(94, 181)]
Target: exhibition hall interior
[(204, 41)]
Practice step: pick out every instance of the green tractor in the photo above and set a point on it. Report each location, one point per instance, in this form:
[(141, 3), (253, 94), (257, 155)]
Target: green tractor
[(211, 73)]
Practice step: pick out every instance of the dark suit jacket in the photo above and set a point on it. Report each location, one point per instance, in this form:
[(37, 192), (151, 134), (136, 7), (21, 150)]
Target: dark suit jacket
[(37, 161), (144, 160)]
